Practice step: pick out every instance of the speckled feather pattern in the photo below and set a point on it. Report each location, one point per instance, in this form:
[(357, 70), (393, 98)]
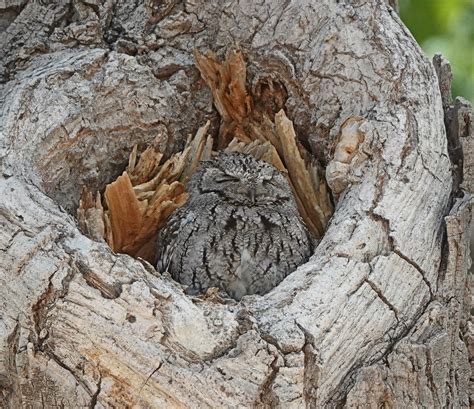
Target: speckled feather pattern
[(240, 229)]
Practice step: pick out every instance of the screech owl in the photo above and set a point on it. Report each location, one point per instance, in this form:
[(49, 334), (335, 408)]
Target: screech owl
[(240, 229)]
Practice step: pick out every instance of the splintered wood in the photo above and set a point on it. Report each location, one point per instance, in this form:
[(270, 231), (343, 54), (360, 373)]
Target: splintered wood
[(137, 204), (249, 123), (227, 83)]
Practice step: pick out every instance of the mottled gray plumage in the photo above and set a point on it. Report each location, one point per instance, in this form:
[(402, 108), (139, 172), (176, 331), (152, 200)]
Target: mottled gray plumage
[(240, 229)]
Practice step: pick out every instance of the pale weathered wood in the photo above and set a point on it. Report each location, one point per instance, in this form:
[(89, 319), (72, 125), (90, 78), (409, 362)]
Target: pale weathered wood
[(378, 316)]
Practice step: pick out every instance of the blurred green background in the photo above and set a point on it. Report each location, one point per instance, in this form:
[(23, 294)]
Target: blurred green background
[(445, 26)]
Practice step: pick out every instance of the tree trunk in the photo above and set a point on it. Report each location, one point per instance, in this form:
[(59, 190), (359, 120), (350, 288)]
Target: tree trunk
[(380, 315)]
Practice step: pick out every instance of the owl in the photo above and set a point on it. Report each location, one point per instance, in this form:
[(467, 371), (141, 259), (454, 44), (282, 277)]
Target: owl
[(240, 229)]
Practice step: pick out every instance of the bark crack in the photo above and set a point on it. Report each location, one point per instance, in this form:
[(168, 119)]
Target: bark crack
[(311, 369), (96, 394), (108, 291), (39, 311), (382, 297), (152, 373), (12, 238), (392, 247), (51, 355), (266, 397), (429, 376), (417, 268)]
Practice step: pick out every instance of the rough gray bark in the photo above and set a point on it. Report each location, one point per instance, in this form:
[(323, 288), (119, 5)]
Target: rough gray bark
[(459, 122), (380, 315)]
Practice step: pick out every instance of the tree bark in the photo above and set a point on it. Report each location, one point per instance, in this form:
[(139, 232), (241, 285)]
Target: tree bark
[(381, 314)]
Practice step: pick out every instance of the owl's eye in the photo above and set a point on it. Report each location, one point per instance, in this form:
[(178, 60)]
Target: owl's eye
[(226, 178)]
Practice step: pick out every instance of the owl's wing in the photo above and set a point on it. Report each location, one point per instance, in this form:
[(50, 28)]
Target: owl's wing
[(167, 242), (170, 240)]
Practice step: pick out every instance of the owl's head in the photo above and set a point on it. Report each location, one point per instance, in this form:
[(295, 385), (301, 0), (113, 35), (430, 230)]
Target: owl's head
[(242, 180)]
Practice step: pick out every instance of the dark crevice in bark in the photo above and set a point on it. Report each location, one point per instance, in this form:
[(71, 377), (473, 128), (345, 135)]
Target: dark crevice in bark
[(158, 11), (456, 120), (266, 397), (458, 117), (393, 248), (382, 297), (46, 301), (385, 223), (443, 266), (152, 373), (451, 120), (39, 311), (429, 375), (311, 374), (339, 396), (95, 396), (415, 265), (271, 340), (311, 370), (49, 353), (394, 5), (108, 291)]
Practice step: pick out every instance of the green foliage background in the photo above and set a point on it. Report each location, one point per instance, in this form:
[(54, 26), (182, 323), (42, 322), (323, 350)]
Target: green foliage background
[(445, 26)]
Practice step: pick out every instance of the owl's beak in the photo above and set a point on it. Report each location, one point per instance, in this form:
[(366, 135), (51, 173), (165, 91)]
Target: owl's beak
[(252, 194)]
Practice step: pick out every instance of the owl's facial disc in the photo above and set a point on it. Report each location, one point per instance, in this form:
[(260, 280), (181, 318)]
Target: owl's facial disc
[(243, 180)]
